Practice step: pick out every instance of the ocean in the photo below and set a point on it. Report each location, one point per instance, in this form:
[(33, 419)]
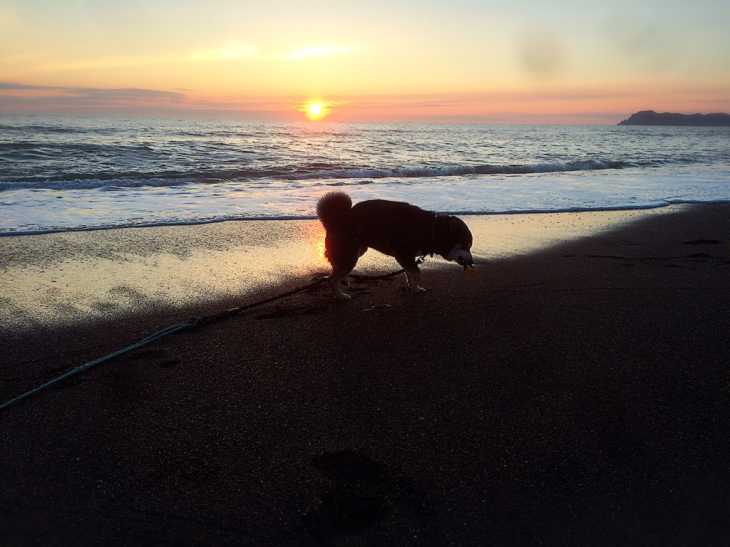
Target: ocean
[(82, 173)]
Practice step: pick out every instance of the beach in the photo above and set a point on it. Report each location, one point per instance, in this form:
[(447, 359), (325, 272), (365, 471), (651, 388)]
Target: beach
[(574, 393)]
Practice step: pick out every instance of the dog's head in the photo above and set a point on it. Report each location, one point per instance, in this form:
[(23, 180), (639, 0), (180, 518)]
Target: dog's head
[(460, 241)]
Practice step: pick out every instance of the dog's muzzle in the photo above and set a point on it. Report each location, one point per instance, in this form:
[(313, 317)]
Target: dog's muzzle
[(463, 258), (460, 256)]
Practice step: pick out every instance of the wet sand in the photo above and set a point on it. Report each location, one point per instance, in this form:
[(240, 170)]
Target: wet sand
[(575, 392), (66, 279)]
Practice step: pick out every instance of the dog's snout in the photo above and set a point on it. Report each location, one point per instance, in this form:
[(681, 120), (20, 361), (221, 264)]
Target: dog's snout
[(465, 260)]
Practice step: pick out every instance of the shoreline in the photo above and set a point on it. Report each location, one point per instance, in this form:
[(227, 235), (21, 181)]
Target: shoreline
[(72, 277), (575, 392), (314, 217)]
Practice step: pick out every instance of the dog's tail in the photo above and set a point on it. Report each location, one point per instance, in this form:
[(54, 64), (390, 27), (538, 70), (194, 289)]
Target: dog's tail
[(333, 208)]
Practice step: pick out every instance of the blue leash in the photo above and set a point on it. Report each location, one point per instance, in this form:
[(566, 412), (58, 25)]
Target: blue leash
[(164, 332), (190, 323)]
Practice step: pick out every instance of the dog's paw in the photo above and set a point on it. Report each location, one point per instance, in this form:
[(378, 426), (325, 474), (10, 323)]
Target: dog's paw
[(415, 289), (343, 296)]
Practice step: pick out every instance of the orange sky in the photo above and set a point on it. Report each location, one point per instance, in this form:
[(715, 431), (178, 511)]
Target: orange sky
[(427, 61)]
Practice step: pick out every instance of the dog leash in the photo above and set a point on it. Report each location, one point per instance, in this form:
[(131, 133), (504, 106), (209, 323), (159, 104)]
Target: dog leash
[(192, 322)]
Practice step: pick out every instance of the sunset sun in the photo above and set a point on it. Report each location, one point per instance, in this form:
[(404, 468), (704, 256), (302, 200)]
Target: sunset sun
[(315, 111), (317, 108)]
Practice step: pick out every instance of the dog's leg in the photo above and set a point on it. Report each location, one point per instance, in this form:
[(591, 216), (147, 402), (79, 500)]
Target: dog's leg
[(340, 270), (360, 251), (413, 273), (343, 254), (334, 282)]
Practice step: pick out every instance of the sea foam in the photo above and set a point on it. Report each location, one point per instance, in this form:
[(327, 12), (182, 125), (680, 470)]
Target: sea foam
[(88, 173)]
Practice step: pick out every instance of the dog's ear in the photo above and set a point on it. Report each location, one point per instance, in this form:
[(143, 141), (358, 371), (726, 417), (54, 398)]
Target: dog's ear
[(454, 224)]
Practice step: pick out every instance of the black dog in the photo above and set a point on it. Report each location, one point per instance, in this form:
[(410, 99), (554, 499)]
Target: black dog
[(397, 229)]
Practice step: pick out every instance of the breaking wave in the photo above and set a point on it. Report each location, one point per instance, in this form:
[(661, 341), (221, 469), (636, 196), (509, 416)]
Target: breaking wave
[(66, 173), (80, 181), (461, 170)]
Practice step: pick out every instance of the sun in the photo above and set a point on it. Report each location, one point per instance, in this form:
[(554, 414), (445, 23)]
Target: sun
[(316, 110)]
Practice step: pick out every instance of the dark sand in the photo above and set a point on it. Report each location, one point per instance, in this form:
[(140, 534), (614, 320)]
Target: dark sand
[(573, 396)]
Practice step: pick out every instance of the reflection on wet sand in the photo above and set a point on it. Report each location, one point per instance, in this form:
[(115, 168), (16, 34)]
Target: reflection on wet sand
[(56, 279)]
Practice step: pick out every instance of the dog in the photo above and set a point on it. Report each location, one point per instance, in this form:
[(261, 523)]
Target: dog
[(394, 228)]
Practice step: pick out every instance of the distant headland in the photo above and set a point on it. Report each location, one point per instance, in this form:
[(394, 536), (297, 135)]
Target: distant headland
[(649, 117)]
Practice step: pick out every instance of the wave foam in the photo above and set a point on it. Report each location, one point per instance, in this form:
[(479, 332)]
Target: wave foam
[(461, 170), (133, 180), (90, 184)]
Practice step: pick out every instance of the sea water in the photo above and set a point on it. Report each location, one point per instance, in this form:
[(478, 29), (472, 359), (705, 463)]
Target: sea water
[(75, 173)]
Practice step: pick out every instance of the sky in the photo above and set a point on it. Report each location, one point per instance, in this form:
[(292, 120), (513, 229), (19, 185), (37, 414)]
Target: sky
[(454, 61)]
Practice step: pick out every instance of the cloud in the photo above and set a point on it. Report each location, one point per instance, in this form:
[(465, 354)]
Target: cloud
[(226, 52), (318, 51), (76, 96), (13, 86), (231, 50), (329, 106), (124, 95), (34, 99)]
